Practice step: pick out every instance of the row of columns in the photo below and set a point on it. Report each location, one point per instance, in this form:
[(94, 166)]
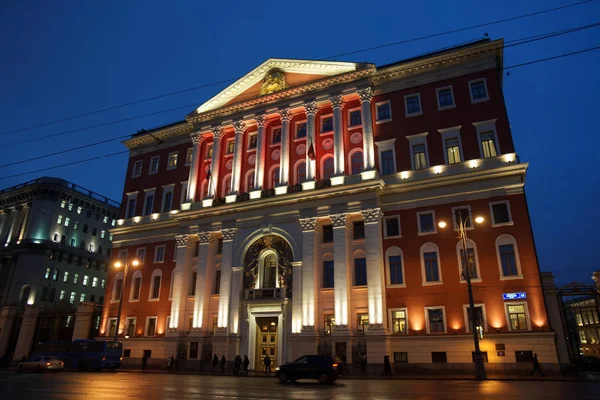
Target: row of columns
[(13, 224), (311, 108)]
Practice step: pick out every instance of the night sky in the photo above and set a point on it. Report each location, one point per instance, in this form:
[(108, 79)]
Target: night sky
[(69, 58)]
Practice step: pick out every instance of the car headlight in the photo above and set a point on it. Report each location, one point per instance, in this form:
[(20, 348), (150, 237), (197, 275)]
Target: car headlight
[(276, 368)]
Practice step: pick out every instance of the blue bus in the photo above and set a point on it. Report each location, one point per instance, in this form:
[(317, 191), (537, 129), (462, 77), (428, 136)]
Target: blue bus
[(84, 354)]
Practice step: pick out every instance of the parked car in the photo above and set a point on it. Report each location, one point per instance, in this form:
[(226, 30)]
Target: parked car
[(322, 368), (40, 364)]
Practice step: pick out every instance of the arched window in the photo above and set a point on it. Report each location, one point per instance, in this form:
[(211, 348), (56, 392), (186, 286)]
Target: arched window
[(117, 287), (269, 276), (250, 181), (431, 270), (300, 172), (155, 283), (356, 162), (226, 186), (508, 257), (136, 286), (327, 171), (193, 278), (472, 261), (274, 177), (25, 293), (395, 266)]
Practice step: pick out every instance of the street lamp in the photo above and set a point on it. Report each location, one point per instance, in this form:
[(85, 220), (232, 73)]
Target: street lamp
[(462, 232), (118, 264)]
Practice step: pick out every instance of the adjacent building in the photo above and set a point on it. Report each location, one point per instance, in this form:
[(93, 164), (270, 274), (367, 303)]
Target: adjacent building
[(298, 211), (55, 246)]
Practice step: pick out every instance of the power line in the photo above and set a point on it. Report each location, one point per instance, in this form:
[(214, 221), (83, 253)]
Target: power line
[(126, 151), (326, 58)]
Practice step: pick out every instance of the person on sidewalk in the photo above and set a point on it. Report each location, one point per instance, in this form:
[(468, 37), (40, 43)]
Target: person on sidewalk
[(267, 364), (246, 363), (169, 363), (343, 366), (215, 362), (387, 366), (536, 365), (363, 363), (223, 362), (237, 364), (144, 362)]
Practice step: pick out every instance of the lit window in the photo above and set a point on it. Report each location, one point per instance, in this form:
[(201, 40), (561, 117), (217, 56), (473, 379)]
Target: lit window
[(419, 157), (63, 204), (517, 317), (62, 295), (110, 237), (173, 160), (327, 124), (75, 279), (102, 233), (488, 144), (399, 324), (76, 225), (300, 130), (105, 220), (362, 323), (102, 284), (329, 323), (413, 104), (384, 112), (154, 162), (70, 207), (72, 297), (189, 155), (354, 117), (59, 219), (48, 272), (66, 276), (82, 297), (435, 320), (445, 98), (79, 209), (95, 281), (113, 222), (252, 141), (478, 90), (453, 150), (209, 151)]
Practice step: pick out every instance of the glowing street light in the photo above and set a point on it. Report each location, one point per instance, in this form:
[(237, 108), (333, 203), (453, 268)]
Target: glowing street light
[(118, 264)]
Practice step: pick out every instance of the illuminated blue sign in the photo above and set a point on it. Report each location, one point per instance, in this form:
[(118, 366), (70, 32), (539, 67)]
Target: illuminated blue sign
[(514, 296)]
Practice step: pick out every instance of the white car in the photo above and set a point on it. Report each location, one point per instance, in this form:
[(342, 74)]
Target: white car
[(40, 364)]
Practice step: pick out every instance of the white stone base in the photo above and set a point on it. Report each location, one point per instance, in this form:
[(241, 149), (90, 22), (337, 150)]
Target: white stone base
[(309, 185), (230, 198), (255, 194), (207, 202)]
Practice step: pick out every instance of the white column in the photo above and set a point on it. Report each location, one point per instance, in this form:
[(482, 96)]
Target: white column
[(259, 173), (340, 269), (204, 274), (180, 282), (366, 95), (236, 169), (216, 161), (375, 273), (234, 305), (338, 135), (26, 212), (297, 296), (311, 111), (197, 140), (284, 160), (310, 227), (226, 277)]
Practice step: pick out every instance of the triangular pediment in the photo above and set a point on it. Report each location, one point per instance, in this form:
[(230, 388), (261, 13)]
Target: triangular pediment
[(273, 75)]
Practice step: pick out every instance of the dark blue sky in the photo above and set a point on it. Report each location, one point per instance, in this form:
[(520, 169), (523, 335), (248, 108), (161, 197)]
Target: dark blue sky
[(67, 58)]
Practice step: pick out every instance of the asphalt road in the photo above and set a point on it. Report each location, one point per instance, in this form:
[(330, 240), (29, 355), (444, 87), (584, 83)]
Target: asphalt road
[(123, 385)]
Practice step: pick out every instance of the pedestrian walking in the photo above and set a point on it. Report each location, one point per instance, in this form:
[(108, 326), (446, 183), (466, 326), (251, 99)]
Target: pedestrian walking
[(387, 366), (267, 364), (343, 365), (215, 362), (223, 362), (363, 363), (245, 364), (169, 363), (536, 365), (144, 362), (237, 365)]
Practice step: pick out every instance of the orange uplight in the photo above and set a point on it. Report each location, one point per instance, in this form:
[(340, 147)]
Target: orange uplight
[(118, 264)]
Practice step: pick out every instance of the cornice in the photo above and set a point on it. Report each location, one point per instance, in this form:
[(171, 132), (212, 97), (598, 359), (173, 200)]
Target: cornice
[(156, 136)]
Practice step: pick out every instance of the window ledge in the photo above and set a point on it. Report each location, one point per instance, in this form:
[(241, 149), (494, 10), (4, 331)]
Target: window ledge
[(416, 114), (275, 145), (171, 168), (134, 301), (432, 283), (383, 121), (152, 172), (251, 150), (427, 233), (153, 299), (447, 107), (326, 133), (510, 223), (135, 176), (114, 301), (358, 241), (396, 285), (299, 139), (483, 99), (393, 237), (510, 278), (187, 164), (327, 289), (361, 287), (476, 280), (355, 127), (229, 155)]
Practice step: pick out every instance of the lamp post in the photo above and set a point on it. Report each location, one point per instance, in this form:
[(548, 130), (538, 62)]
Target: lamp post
[(119, 264), (462, 232)]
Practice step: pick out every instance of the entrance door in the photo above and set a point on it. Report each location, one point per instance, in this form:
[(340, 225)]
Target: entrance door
[(266, 343)]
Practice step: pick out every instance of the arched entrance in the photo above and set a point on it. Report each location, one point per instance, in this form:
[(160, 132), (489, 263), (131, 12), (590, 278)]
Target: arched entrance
[(267, 290)]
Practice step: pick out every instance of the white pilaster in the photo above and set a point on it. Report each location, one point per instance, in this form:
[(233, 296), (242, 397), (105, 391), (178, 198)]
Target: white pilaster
[(284, 160), (234, 306), (366, 95), (310, 227), (23, 224), (226, 277), (180, 282), (340, 268), (259, 173), (311, 112), (375, 272), (236, 170), (216, 161), (297, 299), (338, 135), (204, 275), (197, 140)]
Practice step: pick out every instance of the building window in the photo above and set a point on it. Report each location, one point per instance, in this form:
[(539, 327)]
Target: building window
[(141, 254), (48, 272), (419, 156), (230, 146), (75, 278), (217, 285), (188, 156), (61, 297), (85, 228), (82, 297), (250, 181), (136, 286), (137, 169), (150, 326), (91, 248), (154, 162), (173, 160), (301, 173), (392, 226), (396, 271), (155, 284), (192, 290), (388, 163), (328, 169), (209, 151), (478, 91), (412, 105), (356, 163), (517, 316), (149, 203), (358, 230), (479, 317), (67, 221), (508, 257), (453, 150), (276, 136), (384, 111), (79, 209), (159, 254), (72, 297), (439, 357), (329, 323), (86, 280), (362, 323), (327, 274), (63, 204), (488, 144), (70, 206), (252, 141), (354, 118), (445, 98), (220, 246), (274, 177), (44, 294), (399, 322), (130, 326), (360, 272), (426, 222), (471, 261), (167, 200), (73, 242), (430, 261), (102, 284), (327, 234), (326, 124), (130, 209), (95, 282), (300, 130), (462, 215), (435, 319), (501, 214), (400, 357), (105, 220)]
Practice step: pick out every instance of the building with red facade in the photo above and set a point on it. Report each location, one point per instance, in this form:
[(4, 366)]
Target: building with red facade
[(298, 211)]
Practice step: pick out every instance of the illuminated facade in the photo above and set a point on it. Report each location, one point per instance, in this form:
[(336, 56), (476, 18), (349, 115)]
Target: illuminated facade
[(302, 217)]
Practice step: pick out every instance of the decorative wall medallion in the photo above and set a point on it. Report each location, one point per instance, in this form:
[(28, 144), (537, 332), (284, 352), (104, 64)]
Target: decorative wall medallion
[(327, 144), (252, 159), (301, 149), (356, 138), (229, 164), (275, 155)]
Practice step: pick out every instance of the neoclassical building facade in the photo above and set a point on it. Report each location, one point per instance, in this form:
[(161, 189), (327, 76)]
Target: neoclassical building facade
[(298, 211)]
